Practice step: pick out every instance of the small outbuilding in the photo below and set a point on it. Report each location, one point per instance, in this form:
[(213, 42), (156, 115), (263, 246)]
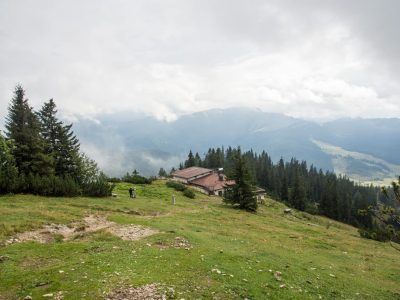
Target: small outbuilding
[(260, 194)]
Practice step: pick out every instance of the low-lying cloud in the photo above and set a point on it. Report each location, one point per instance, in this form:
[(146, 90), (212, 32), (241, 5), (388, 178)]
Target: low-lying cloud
[(312, 59)]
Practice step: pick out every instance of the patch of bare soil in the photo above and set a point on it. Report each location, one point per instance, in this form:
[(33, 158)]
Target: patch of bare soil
[(132, 232), (149, 291), (44, 235), (178, 243), (92, 223)]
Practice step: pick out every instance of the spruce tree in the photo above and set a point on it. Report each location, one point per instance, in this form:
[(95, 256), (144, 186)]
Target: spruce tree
[(162, 173), (284, 192), (242, 193), (60, 142), (67, 152), (23, 128), (8, 170), (190, 162), (197, 160), (49, 126), (298, 196)]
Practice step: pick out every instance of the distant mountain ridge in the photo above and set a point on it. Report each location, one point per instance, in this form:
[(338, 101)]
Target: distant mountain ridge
[(122, 142)]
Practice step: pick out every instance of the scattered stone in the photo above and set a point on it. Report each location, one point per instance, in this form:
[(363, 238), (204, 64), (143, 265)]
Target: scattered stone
[(282, 286), (332, 275), (42, 284), (3, 258), (278, 275), (216, 271), (287, 211), (181, 242), (28, 298), (149, 291), (50, 295)]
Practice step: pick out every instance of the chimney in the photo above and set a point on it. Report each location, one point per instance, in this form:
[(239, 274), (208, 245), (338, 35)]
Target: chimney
[(220, 174)]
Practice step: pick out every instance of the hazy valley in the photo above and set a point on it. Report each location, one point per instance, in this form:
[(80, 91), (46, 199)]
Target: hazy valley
[(363, 149)]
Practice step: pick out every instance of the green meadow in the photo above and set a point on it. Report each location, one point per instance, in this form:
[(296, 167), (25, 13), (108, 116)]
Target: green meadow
[(231, 254)]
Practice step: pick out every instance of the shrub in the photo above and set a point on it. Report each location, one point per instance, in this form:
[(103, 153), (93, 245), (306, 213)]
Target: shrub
[(100, 187), (189, 193), (137, 179), (114, 179), (176, 185), (62, 186)]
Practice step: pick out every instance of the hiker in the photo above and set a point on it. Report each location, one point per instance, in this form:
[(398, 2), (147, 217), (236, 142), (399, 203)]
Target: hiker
[(130, 192)]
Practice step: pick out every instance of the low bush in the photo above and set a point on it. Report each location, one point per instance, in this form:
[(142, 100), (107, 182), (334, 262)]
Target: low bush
[(189, 193), (176, 185), (137, 179), (60, 186), (99, 187)]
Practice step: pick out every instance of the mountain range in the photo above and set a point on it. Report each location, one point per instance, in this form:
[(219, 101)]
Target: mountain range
[(366, 150)]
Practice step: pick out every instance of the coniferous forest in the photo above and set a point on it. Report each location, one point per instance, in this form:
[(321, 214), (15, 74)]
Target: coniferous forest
[(309, 189), (41, 155)]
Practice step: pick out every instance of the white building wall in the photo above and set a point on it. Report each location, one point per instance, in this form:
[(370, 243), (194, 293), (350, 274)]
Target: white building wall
[(179, 179)]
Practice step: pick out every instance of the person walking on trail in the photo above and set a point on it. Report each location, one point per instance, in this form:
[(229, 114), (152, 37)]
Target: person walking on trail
[(130, 192)]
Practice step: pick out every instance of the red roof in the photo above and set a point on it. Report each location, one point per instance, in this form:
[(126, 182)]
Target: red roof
[(212, 182), (191, 172)]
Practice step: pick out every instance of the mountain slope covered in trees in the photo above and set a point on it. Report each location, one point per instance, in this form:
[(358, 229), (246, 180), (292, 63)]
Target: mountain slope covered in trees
[(122, 142)]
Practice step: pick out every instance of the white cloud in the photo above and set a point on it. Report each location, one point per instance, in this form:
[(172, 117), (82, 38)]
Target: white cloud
[(165, 58)]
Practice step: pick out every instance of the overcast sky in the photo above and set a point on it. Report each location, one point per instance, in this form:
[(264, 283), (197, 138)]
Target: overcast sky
[(317, 59)]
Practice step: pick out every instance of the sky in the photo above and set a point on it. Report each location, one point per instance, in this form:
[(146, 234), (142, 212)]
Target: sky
[(312, 59)]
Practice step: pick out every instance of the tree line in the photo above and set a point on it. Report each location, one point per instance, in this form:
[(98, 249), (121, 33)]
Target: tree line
[(40, 154), (307, 188)]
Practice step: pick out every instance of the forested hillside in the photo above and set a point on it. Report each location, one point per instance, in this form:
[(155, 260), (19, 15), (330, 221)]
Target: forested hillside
[(124, 141), (312, 190)]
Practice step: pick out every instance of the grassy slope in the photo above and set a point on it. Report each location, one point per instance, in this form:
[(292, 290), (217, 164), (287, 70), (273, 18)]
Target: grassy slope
[(304, 248)]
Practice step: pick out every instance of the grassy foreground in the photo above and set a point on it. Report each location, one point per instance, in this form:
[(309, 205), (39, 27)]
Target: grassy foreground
[(234, 254)]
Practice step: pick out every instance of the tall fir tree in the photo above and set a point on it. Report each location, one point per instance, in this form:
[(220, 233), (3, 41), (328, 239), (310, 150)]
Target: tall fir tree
[(23, 127), (197, 160), (60, 142), (298, 195), (162, 173), (67, 152), (284, 192), (190, 162), (8, 170), (241, 194), (49, 126)]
